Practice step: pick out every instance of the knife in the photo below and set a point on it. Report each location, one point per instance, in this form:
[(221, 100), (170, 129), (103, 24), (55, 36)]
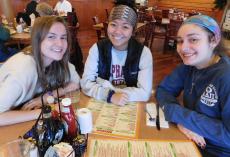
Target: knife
[(158, 117)]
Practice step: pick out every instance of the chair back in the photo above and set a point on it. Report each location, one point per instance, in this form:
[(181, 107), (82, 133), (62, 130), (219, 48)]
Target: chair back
[(193, 12), (149, 27), (105, 25), (157, 16), (171, 35), (141, 16), (107, 13), (96, 20), (144, 16), (72, 19), (173, 27), (100, 32), (165, 13), (144, 33)]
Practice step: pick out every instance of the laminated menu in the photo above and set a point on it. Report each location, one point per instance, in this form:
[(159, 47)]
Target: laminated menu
[(113, 120), (134, 148)]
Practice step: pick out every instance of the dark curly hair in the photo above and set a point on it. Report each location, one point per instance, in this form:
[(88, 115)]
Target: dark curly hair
[(130, 3)]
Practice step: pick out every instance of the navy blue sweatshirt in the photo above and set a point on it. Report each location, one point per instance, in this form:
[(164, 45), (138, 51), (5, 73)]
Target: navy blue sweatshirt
[(206, 101)]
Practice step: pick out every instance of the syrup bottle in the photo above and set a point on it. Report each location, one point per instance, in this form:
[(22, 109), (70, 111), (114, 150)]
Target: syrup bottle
[(48, 130)]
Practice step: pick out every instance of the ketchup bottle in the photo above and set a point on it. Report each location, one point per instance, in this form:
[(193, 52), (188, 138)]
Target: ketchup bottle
[(68, 117)]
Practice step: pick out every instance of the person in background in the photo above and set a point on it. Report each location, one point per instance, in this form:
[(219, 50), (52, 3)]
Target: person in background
[(119, 69), (63, 7), (31, 8), (72, 18), (25, 76), (204, 79), (44, 9), (76, 56), (5, 51), (27, 17)]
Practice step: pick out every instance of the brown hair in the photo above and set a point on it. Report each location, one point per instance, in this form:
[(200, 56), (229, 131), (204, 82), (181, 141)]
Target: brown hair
[(57, 73), (44, 9), (219, 49)]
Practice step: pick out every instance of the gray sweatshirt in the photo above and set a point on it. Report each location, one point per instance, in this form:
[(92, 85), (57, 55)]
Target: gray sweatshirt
[(98, 88)]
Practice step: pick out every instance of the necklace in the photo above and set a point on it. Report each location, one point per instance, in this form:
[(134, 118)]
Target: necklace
[(195, 77)]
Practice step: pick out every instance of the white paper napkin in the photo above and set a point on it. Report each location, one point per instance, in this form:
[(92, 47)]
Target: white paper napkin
[(151, 108)]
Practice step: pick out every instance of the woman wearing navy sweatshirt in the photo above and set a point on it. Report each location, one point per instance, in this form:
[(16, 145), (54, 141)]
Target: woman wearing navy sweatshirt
[(204, 78)]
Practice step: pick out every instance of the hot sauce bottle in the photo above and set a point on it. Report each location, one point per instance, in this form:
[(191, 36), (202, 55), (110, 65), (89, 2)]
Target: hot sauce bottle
[(68, 117)]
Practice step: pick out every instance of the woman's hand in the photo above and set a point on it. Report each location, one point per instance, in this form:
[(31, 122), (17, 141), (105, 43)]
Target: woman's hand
[(36, 102), (32, 104), (199, 140), (120, 99)]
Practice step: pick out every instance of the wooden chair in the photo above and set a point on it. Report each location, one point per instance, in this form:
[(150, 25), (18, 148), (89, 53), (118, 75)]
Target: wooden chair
[(165, 13), (72, 19), (193, 12), (140, 16), (144, 16), (171, 35), (144, 35), (157, 14), (105, 25), (96, 20), (159, 30), (148, 33), (100, 32), (107, 13)]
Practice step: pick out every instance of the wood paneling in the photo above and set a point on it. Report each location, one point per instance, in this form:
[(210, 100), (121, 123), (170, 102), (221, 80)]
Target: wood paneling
[(86, 9), (7, 8)]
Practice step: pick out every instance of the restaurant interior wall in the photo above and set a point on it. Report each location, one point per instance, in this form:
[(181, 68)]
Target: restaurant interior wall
[(86, 9)]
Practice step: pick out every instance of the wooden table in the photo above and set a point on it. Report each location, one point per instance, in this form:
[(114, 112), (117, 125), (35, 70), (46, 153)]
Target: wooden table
[(19, 38), (11, 132)]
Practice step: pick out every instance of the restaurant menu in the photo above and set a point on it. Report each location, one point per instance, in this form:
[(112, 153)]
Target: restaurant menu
[(113, 120), (129, 148)]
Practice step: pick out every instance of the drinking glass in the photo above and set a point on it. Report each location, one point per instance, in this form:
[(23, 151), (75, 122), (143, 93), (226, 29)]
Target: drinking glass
[(19, 148), (75, 98)]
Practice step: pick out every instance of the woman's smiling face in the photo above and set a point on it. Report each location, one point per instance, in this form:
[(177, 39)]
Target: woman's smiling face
[(194, 45), (54, 45), (119, 33)]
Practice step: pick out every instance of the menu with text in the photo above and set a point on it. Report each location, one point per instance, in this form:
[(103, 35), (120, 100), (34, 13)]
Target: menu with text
[(115, 120), (132, 148)]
